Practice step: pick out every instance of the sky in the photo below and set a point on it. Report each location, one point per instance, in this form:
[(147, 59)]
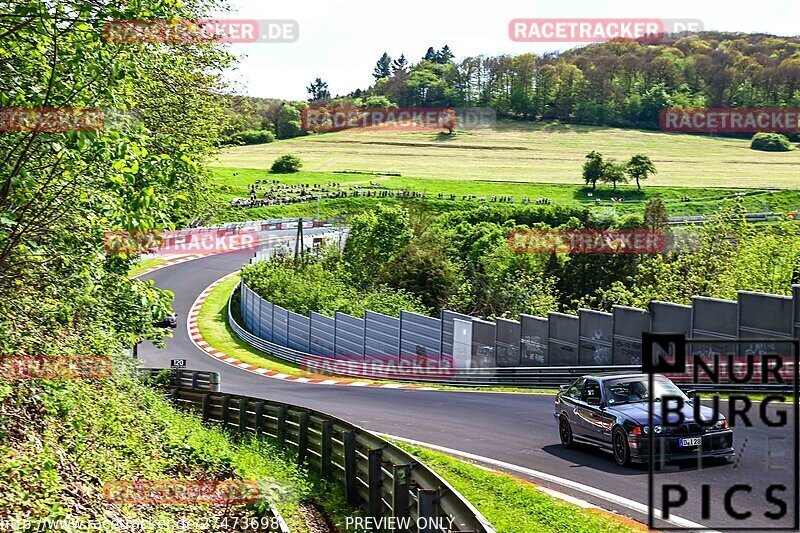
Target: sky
[(340, 41)]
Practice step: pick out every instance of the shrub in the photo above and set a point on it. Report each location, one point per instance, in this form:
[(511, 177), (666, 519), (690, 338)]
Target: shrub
[(255, 137), (770, 142), (286, 164)]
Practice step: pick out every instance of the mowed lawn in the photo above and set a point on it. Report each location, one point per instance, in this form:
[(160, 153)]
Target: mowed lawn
[(525, 152)]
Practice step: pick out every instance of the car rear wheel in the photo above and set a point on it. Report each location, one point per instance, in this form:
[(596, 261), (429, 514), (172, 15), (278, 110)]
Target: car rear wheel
[(622, 453), (565, 432)]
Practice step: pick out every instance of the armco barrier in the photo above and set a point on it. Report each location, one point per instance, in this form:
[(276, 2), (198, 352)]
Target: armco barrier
[(203, 382), (196, 379), (378, 476)]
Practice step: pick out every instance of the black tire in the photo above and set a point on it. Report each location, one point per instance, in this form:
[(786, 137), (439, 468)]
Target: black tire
[(565, 432), (622, 452)]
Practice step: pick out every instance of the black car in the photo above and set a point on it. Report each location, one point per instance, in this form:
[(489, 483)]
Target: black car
[(169, 321), (611, 412)]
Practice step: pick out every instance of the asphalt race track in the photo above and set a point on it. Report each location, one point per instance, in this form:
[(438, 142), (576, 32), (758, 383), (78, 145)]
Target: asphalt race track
[(513, 428)]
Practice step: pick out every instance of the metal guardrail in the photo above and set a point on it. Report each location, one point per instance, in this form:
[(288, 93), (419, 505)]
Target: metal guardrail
[(196, 379), (201, 381), (378, 476)]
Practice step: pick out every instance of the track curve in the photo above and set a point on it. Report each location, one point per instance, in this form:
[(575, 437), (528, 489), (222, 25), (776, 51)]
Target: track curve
[(513, 429)]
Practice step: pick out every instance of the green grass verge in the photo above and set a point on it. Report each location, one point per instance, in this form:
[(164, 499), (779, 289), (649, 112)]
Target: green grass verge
[(513, 505), (143, 265), (213, 325), (530, 152)]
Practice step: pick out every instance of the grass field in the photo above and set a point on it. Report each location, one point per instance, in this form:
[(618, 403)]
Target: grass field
[(233, 183), (517, 153)]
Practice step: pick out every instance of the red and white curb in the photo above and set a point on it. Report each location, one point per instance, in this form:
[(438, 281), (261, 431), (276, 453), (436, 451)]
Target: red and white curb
[(169, 263), (198, 340)]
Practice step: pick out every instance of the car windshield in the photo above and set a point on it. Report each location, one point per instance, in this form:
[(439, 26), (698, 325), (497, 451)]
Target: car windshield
[(635, 389)]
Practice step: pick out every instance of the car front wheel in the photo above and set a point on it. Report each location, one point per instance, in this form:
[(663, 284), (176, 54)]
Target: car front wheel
[(565, 432), (622, 453)]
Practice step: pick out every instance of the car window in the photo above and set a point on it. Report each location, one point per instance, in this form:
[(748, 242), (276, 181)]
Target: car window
[(574, 392), (632, 390), (590, 390)]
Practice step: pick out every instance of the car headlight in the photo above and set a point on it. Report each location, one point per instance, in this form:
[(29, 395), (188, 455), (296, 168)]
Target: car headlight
[(657, 429), (721, 424)]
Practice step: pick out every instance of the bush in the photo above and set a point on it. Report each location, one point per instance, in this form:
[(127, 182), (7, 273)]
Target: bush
[(320, 286), (255, 137), (286, 164), (770, 142), (248, 137)]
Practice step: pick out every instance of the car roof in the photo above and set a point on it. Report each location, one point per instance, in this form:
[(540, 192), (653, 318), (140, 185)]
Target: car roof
[(616, 375)]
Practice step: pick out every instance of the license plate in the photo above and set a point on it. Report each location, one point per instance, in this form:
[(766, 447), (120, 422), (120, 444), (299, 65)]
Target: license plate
[(695, 441)]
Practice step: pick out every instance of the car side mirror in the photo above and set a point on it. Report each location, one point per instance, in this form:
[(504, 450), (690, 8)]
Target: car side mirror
[(563, 388)]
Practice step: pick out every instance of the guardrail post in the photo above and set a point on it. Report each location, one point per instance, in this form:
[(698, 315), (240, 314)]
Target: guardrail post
[(401, 483), (206, 406), (282, 425), (259, 416), (194, 380), (242, 415), (214, 379), (375, 483), (428, 501), (351, 489), (325, 453), (302, 438), (174, 394), (226, 400)]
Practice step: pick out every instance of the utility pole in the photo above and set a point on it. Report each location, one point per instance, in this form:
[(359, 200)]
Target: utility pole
[(298, 248)]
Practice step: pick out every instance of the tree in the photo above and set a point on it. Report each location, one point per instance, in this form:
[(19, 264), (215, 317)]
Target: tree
[(422, 270), (639, 167), (318, 91), (430, 55), (288, 123), (656, 216), (400, 64), (613, 173), (449, 121), (383, 68), (593, 169), (286, 164), (375, 237), (61, 192), (444, 55)]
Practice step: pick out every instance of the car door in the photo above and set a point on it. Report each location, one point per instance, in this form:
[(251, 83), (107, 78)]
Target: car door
[(594, 423), (570, 400)]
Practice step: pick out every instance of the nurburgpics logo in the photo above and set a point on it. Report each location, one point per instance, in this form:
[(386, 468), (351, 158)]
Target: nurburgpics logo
[(723, 449)]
